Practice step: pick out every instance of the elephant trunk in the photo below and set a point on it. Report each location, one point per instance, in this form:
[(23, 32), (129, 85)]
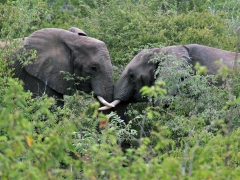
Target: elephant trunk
[(120, 91), (103, 89)]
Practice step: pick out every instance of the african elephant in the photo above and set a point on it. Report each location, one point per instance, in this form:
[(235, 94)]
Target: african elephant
[(72, 52), (140, 71)]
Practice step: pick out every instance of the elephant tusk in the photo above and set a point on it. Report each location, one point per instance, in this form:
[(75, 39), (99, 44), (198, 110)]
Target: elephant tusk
[(104, 108), (103, 101), (114, 103)]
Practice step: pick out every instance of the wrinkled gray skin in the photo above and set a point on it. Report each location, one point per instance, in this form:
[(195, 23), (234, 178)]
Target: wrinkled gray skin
[(70, 51), (140, 71)]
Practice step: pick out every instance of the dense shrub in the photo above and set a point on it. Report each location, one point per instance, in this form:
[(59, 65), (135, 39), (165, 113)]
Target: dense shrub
[(127, 25)]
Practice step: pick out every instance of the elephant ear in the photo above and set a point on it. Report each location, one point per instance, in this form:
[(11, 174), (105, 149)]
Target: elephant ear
[(53, 56), (78, 31)]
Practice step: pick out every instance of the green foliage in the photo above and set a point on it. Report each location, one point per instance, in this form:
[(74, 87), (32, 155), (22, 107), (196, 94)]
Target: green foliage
[(127, 25), (31, 147), (13, 18), (191, 135)]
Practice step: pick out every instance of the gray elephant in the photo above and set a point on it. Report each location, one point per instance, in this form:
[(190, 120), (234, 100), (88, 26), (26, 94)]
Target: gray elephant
[(140, 71), (66, 52)]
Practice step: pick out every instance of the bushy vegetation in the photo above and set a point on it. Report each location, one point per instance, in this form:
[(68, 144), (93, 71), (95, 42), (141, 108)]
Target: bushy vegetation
[(195, 137)]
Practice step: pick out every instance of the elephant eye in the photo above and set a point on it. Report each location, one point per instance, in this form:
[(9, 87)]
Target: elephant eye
[(93, 68), (131, 76)]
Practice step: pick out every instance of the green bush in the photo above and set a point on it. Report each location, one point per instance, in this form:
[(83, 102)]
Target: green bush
[(19, 18), (127, 25)]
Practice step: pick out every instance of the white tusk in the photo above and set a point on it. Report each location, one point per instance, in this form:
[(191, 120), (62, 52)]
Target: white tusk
[(104, 108), (103, 101), (114, 103)]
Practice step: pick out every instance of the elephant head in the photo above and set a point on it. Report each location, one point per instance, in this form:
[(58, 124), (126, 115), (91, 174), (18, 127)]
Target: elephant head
[(72, 52), (140, 71)]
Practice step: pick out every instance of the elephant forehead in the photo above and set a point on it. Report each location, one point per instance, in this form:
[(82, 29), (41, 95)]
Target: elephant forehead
[(138, 68), (143, 59), (149, 54)]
